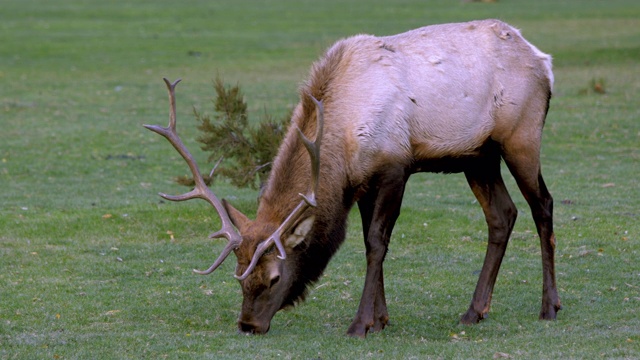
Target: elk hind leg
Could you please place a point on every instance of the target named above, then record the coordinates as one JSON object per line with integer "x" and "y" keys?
{"x": 524, "y": 165}
{"x": 500, "y": 213}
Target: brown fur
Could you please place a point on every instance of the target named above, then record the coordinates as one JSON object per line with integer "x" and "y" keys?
{"x": 447, "y": 98}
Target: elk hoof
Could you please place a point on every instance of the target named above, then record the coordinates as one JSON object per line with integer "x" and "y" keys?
{"x": 549, "y": 312}
{"x": 358, "y": 329}
{"x": 380, "y": 324}
{"x": 471, "y": 317}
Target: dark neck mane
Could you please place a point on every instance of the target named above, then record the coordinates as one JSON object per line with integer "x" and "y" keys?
{"x": 291, "y": 173}
{"x": 291, "y": 176}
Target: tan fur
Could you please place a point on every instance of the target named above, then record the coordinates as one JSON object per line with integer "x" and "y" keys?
{"x": 438, "y": 92}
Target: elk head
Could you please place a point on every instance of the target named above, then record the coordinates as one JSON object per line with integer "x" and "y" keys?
{"x": 265, "y": 271}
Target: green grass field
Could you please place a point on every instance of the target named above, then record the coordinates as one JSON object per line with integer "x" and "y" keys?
{"x": 94, "y": 265}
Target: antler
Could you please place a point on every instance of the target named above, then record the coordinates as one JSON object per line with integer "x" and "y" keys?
{"x": 308, "y": 200}
{"x": 200, "y": 191}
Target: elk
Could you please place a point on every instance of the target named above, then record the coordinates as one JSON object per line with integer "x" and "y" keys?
{"x": 444, "y": 98}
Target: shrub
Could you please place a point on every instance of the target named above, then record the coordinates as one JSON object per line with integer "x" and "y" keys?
{"x": 246, "y": 151}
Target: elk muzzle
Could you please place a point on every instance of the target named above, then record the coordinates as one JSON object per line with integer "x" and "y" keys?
{"x": 251, "y": 328}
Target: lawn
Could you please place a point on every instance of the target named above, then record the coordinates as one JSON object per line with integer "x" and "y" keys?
{"x": 94, "y": 265}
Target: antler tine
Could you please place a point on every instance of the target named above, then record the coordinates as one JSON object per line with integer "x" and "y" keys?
{"x": 308, "y": 200}
{"x": 201, "y": 190}
{"x": 275, "y": 239}
{"x": 260, "y": 250}
{"x": 171, "y": 86}
{"x": 314, "y": 153}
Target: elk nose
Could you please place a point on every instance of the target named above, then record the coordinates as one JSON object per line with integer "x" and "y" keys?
{"x": 251, "y": 328}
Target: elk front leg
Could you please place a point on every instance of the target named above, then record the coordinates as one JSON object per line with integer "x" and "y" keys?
{"x": 379, "y": 209}
{"x": 500, "y": 213}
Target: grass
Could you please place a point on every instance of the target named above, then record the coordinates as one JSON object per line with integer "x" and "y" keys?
{"x": 94, "y": 265}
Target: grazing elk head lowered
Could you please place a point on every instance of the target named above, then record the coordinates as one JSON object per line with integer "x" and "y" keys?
{"x": 270, "y": 288}
{"x": 444, "y": 98}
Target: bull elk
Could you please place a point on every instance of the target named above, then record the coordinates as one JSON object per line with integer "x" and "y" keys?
{"x": 445, "y": 98}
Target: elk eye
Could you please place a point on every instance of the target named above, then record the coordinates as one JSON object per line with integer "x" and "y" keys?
{"x": 270, "y": 250}
{"x": 274, "y": 280}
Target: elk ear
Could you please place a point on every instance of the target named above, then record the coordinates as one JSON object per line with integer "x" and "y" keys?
{"x": 300, "y": 232}
{"x": 239, "y": 220}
